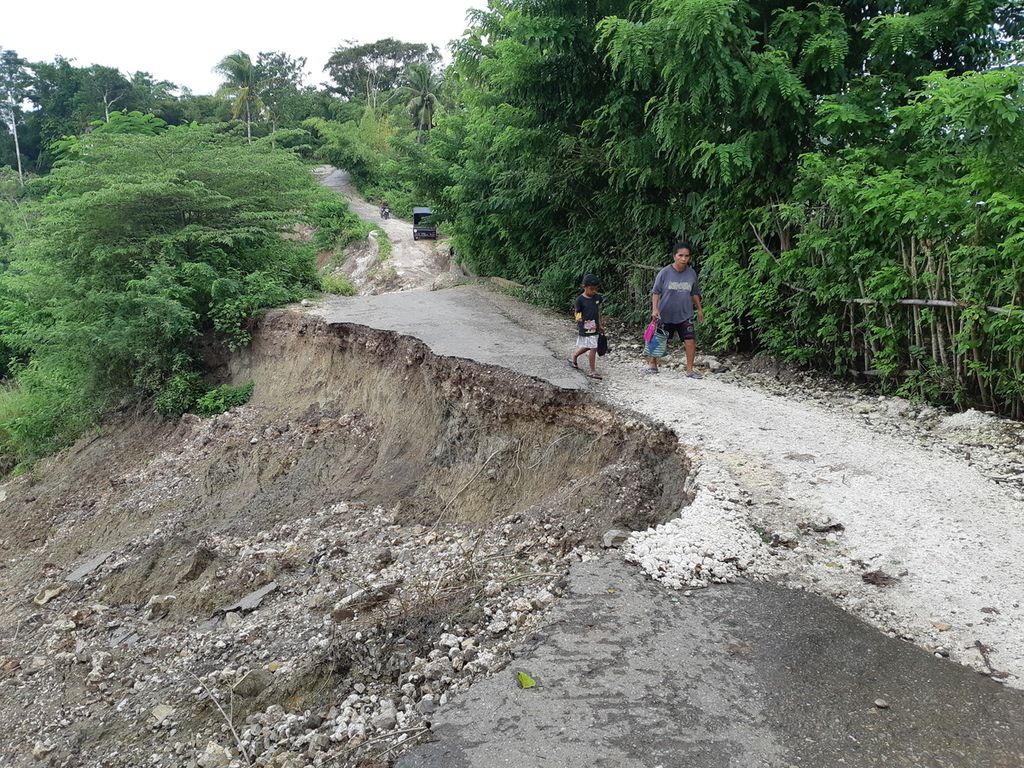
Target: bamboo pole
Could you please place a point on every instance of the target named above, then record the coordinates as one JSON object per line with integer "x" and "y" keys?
{"x": 936, "y": 303}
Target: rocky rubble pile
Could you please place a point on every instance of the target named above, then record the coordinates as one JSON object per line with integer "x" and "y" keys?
{"x": 711, "y": 542}
{"x": 354, "y": 630}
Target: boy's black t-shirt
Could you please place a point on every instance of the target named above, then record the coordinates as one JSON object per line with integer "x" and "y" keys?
{"x": 587, "y": 312}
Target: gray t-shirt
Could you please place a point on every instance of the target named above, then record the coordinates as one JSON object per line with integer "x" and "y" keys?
{"x": 677, "y": 290}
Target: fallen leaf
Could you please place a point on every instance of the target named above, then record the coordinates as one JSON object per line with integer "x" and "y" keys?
{"x": 525, "y": 681}
{"x": 941, "y": 626}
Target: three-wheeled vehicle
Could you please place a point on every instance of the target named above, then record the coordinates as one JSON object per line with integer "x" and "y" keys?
{"x": 423, "y": 224}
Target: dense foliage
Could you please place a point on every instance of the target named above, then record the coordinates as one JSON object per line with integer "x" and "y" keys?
{"x": 361, "y": 71}
{"x": 137, "y": 246}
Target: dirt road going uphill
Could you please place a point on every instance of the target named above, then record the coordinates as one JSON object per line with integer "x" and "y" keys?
{"x": 412, "y": 263}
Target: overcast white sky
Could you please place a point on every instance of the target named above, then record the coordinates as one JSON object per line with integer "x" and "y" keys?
{"x": 182, "y": 40}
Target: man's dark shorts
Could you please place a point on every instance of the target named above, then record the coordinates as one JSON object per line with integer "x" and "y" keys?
{"x": 683, "y": 330}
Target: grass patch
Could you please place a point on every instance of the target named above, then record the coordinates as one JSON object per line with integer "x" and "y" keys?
{"x": 46, "y": 410}
{"x": 383, "y": 245}
{"x": 337, "y": 284}
{"x": 336, "y": 224}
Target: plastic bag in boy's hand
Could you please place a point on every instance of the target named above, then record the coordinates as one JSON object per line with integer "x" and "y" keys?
{"x": 602, "y": 344}
{"x": 649, "y": 333}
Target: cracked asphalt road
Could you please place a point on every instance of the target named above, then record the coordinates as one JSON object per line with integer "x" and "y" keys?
{"x": 746, "y": 675}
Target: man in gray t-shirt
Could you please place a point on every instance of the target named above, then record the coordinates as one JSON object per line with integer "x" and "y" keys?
{"x": 676, "y": 293}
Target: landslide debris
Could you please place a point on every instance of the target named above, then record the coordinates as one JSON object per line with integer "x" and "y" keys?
{"x": 304, "y": 580}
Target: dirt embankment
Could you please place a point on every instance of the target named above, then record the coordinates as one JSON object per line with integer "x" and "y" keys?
{"x": 401, "y": 517}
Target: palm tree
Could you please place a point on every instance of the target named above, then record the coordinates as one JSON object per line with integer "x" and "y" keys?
{"x": 242, "y": 84}
{"x": 420, "y": 86}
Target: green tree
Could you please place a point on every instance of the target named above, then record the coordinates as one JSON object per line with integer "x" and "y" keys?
{"x": 928, "y": 214}
{"x": 141, "y": 244}
{"x": 107, "y": 86}
{"x": 156, "y": 97}
{"x": 203, "y": 108}
{"x": 367, "y": 70}
{"x": 529, "y": 195}
{"x": 63, "y": 105}
{"x": 280, "y": 79}
{"x": 241, "y": 84}
{"x": 136, "y": 123}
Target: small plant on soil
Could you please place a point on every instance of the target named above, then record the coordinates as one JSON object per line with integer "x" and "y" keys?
{"x": 223, "y": 398}
{"x": 182, "y": 390}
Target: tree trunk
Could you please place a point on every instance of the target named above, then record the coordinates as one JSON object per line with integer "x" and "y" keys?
{"x": 17, "y": 146}
{"x": 248, "y": 124}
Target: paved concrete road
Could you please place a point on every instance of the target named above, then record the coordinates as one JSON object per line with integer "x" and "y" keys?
{"x": 752, "y": 675}
{"x": 470, "y": 322}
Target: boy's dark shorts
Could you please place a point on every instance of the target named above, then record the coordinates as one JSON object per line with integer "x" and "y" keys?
{"x": 683, "y": 330}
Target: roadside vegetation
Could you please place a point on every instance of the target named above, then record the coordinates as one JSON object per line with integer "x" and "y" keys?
{"x": 849, "y": 177}
{"x": 849, "y": 174}
{"x": 339, "y": 285}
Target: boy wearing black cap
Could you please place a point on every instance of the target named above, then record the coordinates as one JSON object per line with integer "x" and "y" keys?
{"x": 588, "y": 323}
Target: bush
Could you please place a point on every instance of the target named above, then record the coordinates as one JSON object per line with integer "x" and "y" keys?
{"x": 180, "y": 395}
{"x": 383, "y": 245}
{"x": 336, "y": 224}
{"x": 223, "y": 398}
{"x": 47, "y": 409}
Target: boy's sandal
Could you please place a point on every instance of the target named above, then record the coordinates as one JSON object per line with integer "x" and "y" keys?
{"x": 572, "y": 364}
{"x": 694, "y": 375}
{"x": 595, "y": 375}
{"x": 650, "y": 371}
